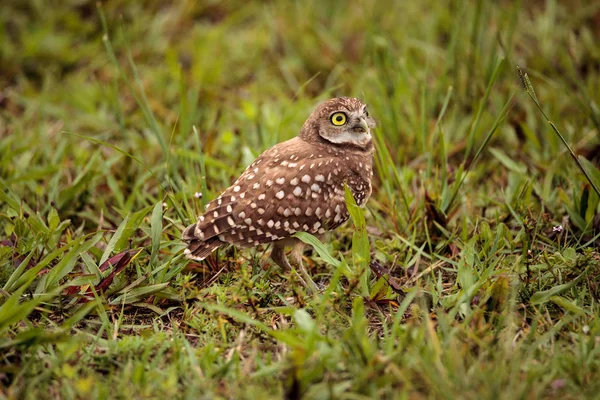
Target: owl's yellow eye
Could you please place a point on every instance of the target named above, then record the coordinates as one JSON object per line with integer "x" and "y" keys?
{"x": 338, "y": 118}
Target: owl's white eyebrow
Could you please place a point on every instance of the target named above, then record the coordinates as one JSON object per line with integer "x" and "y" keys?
{"x": 345, "y": 112}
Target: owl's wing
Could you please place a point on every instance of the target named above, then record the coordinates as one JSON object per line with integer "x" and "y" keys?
{"x": 289, "y": 188}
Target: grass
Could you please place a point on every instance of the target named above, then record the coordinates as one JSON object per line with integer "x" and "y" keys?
{"x": 473, "y": 272}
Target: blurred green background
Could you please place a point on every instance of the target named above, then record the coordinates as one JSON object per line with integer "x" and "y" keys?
{"x": 483, "y": 230}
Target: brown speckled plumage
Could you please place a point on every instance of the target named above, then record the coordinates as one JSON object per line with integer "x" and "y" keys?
{"x": 295, "y": 186}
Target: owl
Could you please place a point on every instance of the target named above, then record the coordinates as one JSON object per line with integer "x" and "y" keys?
{"x": 295, "y": 186}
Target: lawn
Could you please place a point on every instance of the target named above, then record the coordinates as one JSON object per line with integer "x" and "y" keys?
{"x": 473, "y": 272}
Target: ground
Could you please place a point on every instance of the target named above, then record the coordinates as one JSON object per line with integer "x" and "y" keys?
{"x": 473, "y": 271}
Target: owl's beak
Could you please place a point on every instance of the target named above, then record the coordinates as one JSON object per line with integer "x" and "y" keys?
{"x": 362, "y": 126}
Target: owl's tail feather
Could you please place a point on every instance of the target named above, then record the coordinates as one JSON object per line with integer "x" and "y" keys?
{"x": 199, "y": 249}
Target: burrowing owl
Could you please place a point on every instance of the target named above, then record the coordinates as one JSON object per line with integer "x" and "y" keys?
{"x": 295, "y": 186}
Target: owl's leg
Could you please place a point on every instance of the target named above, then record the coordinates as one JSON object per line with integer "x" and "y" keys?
{"x": 297, "y": 252}
{"x": 278, "y": 255}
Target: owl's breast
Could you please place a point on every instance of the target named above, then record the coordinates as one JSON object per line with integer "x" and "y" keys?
{"x": 361, "y": 190}
{"x": 359, "y": 180}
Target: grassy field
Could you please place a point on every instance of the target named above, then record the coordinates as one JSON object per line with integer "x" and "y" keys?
{"x": 473, "y": 272}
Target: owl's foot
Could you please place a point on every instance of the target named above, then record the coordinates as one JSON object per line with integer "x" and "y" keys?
{"x": 278, "y": 255}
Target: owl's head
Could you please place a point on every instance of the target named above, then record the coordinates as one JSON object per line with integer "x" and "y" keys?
{"x": 340, "y": 121}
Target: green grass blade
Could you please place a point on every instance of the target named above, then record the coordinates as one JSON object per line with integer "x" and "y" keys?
{"x": 450, "y": 200}
{"x": 156, "y": 231}
{"x": 319, "y": 247}
{"x": 361, "y": 249}
{"x": 113, "y": 241}
{"x": 471, "y": 136}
